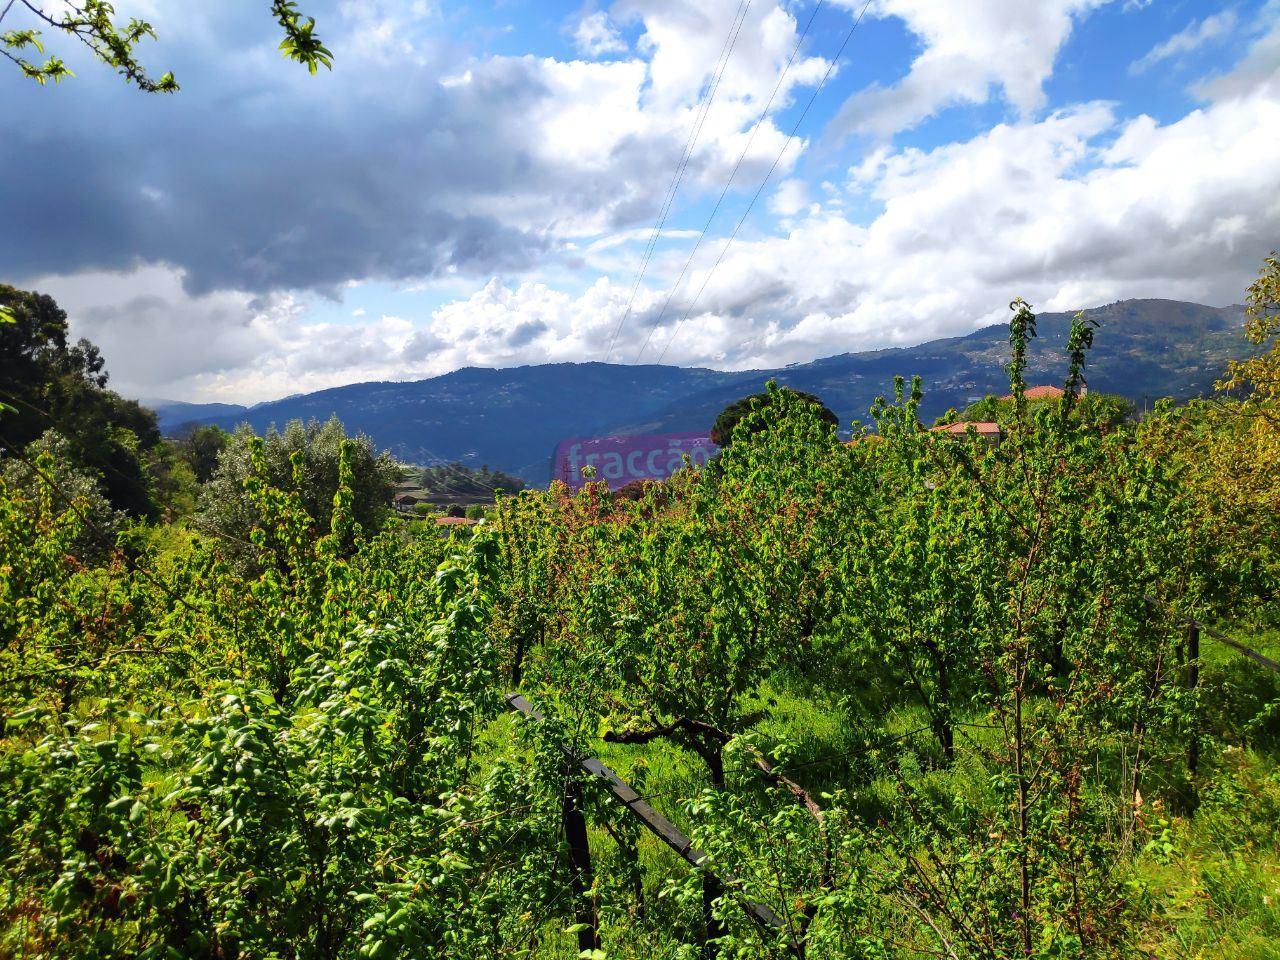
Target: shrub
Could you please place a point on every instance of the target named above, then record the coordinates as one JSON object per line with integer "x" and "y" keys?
{"x": 302, "y": 458}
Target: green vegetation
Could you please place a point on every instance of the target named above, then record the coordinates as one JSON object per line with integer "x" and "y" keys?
{"x": 47, "y": 478}
{"x": 919, "y": 697}
{"x": 456, "y": 485}
{"x": 200, "y": 448}
{"x": 306, "y": 458}
{"x": 722, "y": 430}
{"x": 450, "y": 482}
{"x": 50, "y": 384}
{"x": 1258, "y": 377}
{"x": 1102, "y": 410}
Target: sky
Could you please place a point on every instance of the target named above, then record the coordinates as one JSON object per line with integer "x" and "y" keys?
{"x": 481, "y": 184}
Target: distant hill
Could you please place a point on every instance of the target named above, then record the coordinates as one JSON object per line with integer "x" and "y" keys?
{"x": 1143, "y": 350}
{"x": 511, "y": 419}
{"x": 173, "y": 415}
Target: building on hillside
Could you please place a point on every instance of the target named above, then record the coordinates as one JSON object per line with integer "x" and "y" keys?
{"x": 1048, "y": 392}
{"x": 987, "y": 430}
{"x": 455, "y": 522}
{"x": 405, "y": 502}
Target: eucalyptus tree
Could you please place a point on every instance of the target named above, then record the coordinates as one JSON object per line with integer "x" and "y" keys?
{"x": 50, "y": 382}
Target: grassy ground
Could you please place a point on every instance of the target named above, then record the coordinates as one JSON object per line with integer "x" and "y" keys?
{"x": 1208, "y": 871}
{"x": 1214, "y": 876}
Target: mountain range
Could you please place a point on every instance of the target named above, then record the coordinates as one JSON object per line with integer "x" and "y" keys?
{"x": 511, "y": 419}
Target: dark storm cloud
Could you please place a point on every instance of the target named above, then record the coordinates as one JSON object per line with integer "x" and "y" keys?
{"x": 258, "y": 177}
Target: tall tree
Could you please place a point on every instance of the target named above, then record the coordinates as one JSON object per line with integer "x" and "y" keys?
{"x": 201, "y": 447}
{"x": 722, "y": 429}
{"x": 51, "y": 384}
{"x": 1261, "y": 374}
{"x": 304, "y": 459}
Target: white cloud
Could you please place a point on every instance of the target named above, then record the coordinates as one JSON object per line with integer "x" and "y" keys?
{"x": 596, "y": 36}
{"x": 1257, "y": 70}
{"x": 603, "y": 138}
{"x": 1076, "y": 209}
{"x": 481, "y": 164}
{"x": 161, "y": 341}
{"x": 489, "y": 154}
{"x": 1192, "y": 37}
{"x": 790, "y": 198}
{"x": 456, "y": 80}
{"x": 500, "y": 325}
{"x": 683, "y": 42}
{"x": 969, "y": 49}
{"x": 1069, "y": 209}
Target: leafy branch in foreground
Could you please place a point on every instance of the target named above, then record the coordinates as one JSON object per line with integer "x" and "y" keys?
{"x": 93, "y": 23}
{"x": 1261, "y": 373}
{"x": 300, "y": 43}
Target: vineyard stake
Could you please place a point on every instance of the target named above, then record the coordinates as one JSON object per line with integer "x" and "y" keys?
{"x": 580, "y": 875}
{"x": 1218, "y": 635}
{"x": 1193, "y": 683}
{"x": 661, "y": 827}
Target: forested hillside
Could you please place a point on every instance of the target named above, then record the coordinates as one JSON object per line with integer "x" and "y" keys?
{"x": 1146, "y": 349}
{"x": 910, "y": 695}
{"x": 513, "y": 418}
{"x": 176, "y": 417}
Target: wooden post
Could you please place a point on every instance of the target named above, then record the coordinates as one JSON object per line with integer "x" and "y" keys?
{"x": 580, "y": 876}
{"x": 649, "y": 818}
{"x": 1223, "y": 638}
{"x": 1193, "y": 684}
{"x": 713, "y": 929}
{"x": 517, "y": 667}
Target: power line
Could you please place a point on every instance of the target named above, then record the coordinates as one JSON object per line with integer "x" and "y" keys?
{"x": 733, "y": 173}
{"x": 778, "y": 159}
{"x": 726, "y": 51}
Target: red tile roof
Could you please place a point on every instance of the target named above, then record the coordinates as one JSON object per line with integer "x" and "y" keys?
{"x": 985, "y": 428}
{"x": 454, "y": 521}
{"x": 1039, "y": 393}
